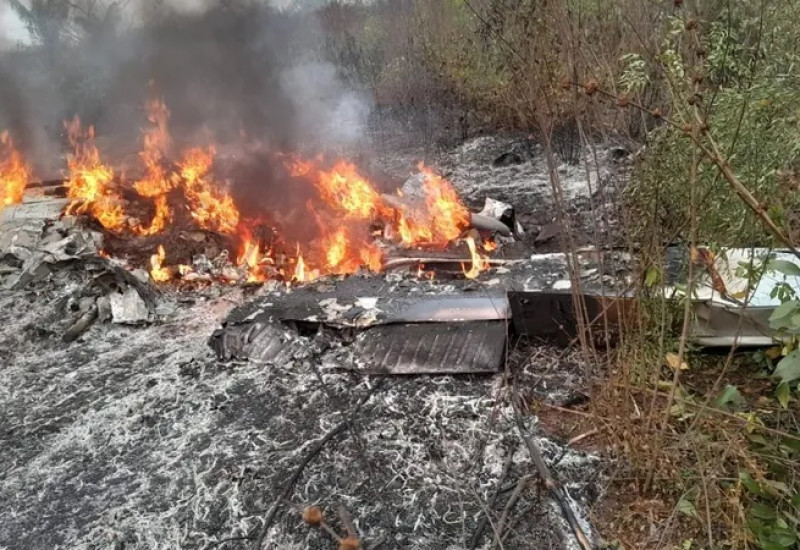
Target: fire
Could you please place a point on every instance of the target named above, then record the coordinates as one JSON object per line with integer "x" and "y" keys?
{"x": 212, "y": 208}
{"x": 250, "y": 256}
{"x": 479, "y": 263}
{"x": 156, "y": 145}
{"x": 162, "y": 217}
{"x": 412, "y": 232}
{"x": 345, "y": 189}
{"x": 14, "y": 172}
{"x": 301, "y": 272}
{"x": 448, "y": 216}
{"x": 441, "y": 218}
{"x": 90, "y": 182}
{"x": 344, "y": 254}
{"x": 336, "y": 248}
{"x": 158, "y": 272}
{"x": 155, "y": 183}
{"x": 489, "y": 245}
{"x": 348, "y": 210}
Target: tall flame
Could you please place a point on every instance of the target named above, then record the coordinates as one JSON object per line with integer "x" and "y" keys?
{"x": 14, "y": 172}
{"x": 90, "y": 182}
{"x": 157, "y": 142}
{"x": 155, "y": 184}
{"x": 448, "y": 215}
{"x": 211, "y": 207}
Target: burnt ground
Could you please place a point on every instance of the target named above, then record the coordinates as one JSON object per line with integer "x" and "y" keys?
{"x": 138, "y": 437}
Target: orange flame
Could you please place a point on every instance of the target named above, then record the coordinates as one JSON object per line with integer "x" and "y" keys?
{"x": 14, "y": 172}
{"x": 162, "y": 217}
{"x": 212, "y": 208}
{"x": 250, "y": 256}
{"x": 158, "y": 272}
{"x": 156, "y": 145}
{"x": 343, "y": 255}
{"x": 336, "y": 249}
{"x": 302, "y": 274}
{"x": 155, "y": 183}
{"x": 345, "y": 189}
{"x": 489, "y": 245}
{"x": 447, "y": 215}
{"x": 89, "y": 185}
{"x": 442, "y": 218}
{"x": 479, "y": 263}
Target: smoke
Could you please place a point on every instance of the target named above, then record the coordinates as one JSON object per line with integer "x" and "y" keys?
{"x": 227, "y": 71}
{"x": 323, "y": 104}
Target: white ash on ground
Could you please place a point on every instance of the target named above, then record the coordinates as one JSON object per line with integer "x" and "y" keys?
{"x": 138, "y": 438}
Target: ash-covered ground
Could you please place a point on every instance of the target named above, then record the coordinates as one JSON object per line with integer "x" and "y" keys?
{"x": 136, "y": 437}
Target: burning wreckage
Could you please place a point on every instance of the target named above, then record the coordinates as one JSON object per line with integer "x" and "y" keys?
{"x": 135, "y": 434}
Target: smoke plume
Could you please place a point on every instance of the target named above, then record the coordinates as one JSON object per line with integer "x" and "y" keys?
{"x": 230, "y": 72}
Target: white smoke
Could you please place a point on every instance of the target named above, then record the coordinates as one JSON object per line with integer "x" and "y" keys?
{"x": 12, "y": 28}
{"x": 326, "y": 108}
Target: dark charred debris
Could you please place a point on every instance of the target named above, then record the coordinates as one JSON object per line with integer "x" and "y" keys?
{"x": 212, "y": 416}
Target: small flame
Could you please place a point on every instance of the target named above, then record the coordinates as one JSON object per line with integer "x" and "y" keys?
{"x": 489, "y": 245}
{"x": 14, "y": 172}
{"x": 158, "y": 272}
{"x": 302, "y": 274}
{"x": 250, "y": 257}
{"x": 479, "y": 263}
{"x": 299, "y": 269}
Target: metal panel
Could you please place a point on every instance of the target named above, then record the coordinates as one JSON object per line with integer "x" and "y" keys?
{"x": 446, "y": 348}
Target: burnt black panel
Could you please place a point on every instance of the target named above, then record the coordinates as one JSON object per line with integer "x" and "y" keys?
{"x": 441, "y": 348}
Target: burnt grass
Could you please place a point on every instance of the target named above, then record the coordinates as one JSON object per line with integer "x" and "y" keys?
{"x": 137, "y": 437}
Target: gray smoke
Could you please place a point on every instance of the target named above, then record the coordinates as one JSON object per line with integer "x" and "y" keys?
{"x": 228, "y": 70}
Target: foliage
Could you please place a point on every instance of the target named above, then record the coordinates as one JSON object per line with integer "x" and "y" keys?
{"x": 751, "y": 104}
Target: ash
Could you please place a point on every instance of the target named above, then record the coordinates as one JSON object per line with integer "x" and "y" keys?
{"x": 134, "y": 437}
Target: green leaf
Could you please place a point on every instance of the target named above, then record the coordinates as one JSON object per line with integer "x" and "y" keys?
{"x": 788, "y": 369}
{"x": 785, "y": 267}
{"x": 784, "y": 393}
{"x": 729, "y": 395}
{"x": 652, "y": 276}
{"x": 784, "y": 540}
{"x": 762, "y": 511}
{"x": 783, "y": 311}
{"x": 687, "y": 508}
{"x": 749, "y": 483}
